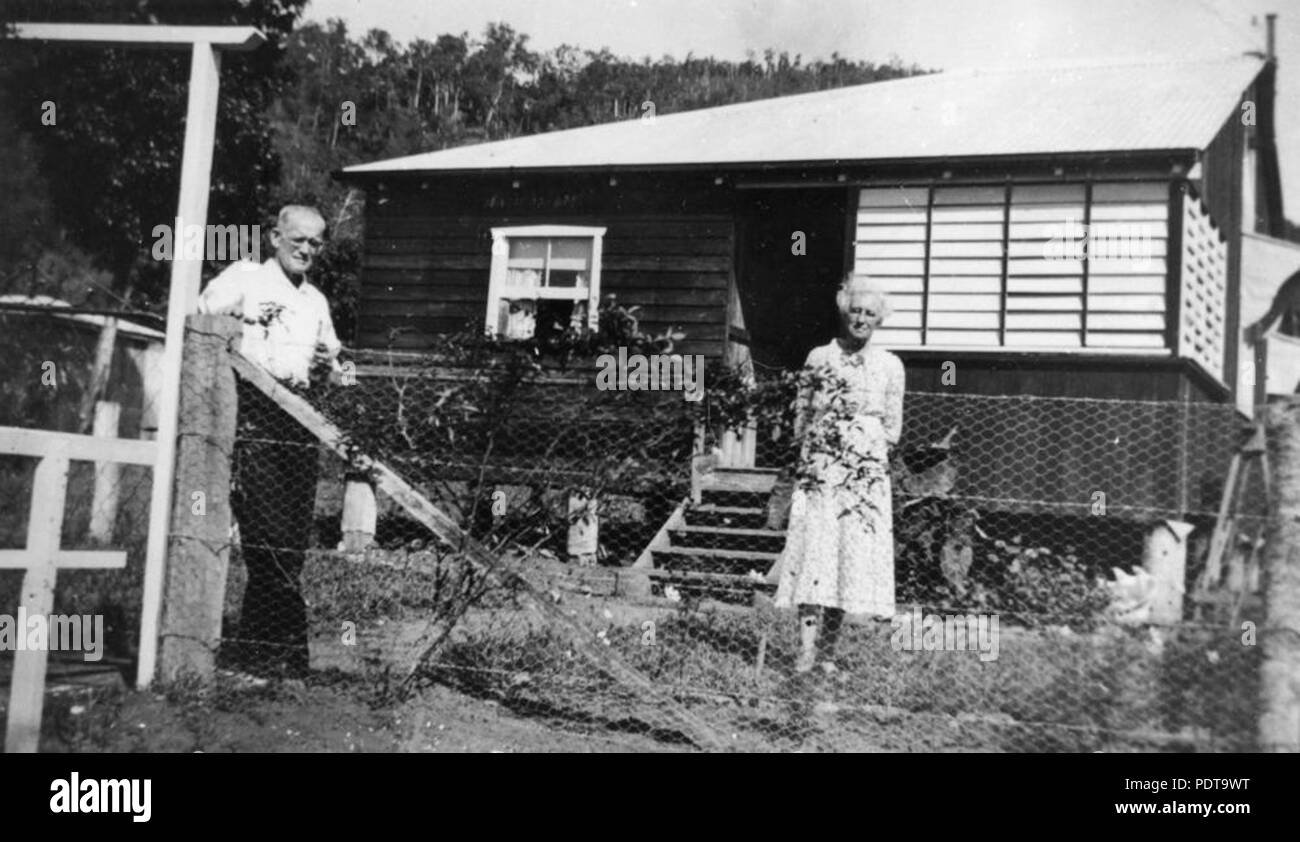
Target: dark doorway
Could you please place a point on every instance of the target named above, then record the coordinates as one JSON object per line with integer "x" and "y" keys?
{"x": 788, "y": 299}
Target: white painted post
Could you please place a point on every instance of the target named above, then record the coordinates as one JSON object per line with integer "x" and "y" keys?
{"x": 360, "y": 516}
{"x": 584, "y": 529}
{"x": 104, "y": 502}
{"x": 192, "y": 209}
{"x": 1165, "y": 558}
{"x": 27, "y": 689}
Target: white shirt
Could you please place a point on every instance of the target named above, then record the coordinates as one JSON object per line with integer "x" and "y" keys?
{"x": 282, "y": 323}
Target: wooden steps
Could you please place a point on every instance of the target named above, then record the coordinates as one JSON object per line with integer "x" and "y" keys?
{"x": 720, "y": 546}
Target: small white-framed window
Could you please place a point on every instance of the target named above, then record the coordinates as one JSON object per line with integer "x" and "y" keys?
{"x": 545, "y": 278}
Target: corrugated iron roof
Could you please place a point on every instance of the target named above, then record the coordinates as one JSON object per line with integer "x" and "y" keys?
{"x": 1038, "y": 109}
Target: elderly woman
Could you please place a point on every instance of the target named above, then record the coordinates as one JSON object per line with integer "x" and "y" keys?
{"x": 839, "y": 551}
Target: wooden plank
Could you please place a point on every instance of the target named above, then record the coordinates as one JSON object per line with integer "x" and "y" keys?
{"x": 194, "y": 601}
{"x": 613, "y": 280}
{"x": 371, "y": 295}
{"x": 1129, "y": 191}
{"x": 968, "y": 249}
{"x": 1057, "y": 303}
{"x": 106, "y": 495}
{"x": 430, "y": 305}
{"x": 433, "y": 307}
{"x": 1043, "y": 267}
{"x": 1127, "y": 321}
{"x": 892, "y": 216}
{"x": 1130, "y": 213}
{"x": 1029, "y": 194}
{"x": 892, "y": 197}
{"x": 482, "y": 262}
{"x": 877, "y": 267}
{"x": 425, "y": 226}
{"x": 949, "y": 196}
{"x": 20, "y": 441}
{"x": 1122, "y": 284}
{"x": 437, "y": 244}
{"x": 1113, "y": 339}
{"x": 1044, "y": 321}
{"x": 44, "y": 528}
{"x": 906, "y": 318}
{"x": 70, "y": 559}
{"x": 736, "y": 555}
{"x": 675, "y": 246}
{"x": 1044, "y": 339}
{"x": 965, "y": 285}
{"x": 944, "y": 231}
{"x": 730, "y": 531}
{"x": 661, "y": 540}
{"x": 963, "y": 337}
{"x": 1058, "y": 215}
{"x": 897, "y": 338}
{"x": 898, "y": 233}
{"x": 1053, "y": 286}
{"x": 192, "y": 208}
{"x": 962, "y": 303}
{"x": 235, "y": 38}
{"x": 668, "y": 263}
{"x": 890, "y": 250}
{"x": 962, "y": 320}
{"x": 980, "y": 215}
{"x": 1126, "y": 303}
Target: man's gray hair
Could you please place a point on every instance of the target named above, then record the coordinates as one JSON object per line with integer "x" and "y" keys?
{"x": 289, "y": 210}
{"x": 859, "y": 284}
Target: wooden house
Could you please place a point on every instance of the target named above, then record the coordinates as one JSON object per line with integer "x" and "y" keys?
{"x": 1057, "y": 231}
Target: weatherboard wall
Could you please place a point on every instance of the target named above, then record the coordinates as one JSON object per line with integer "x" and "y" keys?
{"x": 668, "y": 249}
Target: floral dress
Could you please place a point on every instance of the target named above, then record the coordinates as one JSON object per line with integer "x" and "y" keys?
{"x": 839, "y": 549}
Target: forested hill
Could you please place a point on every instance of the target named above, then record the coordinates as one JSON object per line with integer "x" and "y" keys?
{"x": 427, "y": 95}
{"x": 92, "y": 137}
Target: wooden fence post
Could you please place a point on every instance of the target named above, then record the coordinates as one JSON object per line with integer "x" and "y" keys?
{"x": 1164, "y": 555}
{"x": 1279, "y": 720}
{"x": 360, "y": 515}
{"x": 108, "y": 475}
{"x": 198, "y": 552}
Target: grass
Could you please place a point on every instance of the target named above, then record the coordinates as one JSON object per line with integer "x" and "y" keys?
{"x": 1047, "y": 691}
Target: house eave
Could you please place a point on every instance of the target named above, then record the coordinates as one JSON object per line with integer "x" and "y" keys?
{"x": 845, "y": 172}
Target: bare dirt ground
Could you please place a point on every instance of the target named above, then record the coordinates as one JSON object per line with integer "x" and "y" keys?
{"x": 316, "y": 717}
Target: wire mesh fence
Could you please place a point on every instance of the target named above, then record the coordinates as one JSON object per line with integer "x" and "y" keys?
{"x": 629, "y": 589}
{"x": 1058, "y": 581}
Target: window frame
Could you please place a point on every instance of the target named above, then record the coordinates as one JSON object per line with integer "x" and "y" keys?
{"x": 501, "y": 237}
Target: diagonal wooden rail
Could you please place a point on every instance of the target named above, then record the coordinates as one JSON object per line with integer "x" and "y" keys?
{"x": 426, "y": 513}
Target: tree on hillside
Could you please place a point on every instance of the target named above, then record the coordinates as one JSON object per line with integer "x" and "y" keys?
{"x": 111, "y": 158}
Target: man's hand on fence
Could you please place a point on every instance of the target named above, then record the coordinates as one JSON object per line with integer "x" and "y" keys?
{"x": 322, "y": 366}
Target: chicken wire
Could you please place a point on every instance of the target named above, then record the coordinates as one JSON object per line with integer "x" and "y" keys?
{"x": 1031, "y": 513}
{"x": 569, "y": 602}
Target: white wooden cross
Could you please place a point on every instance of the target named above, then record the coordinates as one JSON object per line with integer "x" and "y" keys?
{"x": 42, "y": 557}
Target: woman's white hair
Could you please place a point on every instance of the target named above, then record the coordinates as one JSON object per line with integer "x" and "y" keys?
{"x": 862, "y": 284}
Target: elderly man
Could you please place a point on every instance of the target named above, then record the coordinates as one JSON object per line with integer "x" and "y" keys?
{"x": 287, "y": 331}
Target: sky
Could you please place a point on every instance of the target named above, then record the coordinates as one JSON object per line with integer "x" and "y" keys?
{"x": 936, "y": 34}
